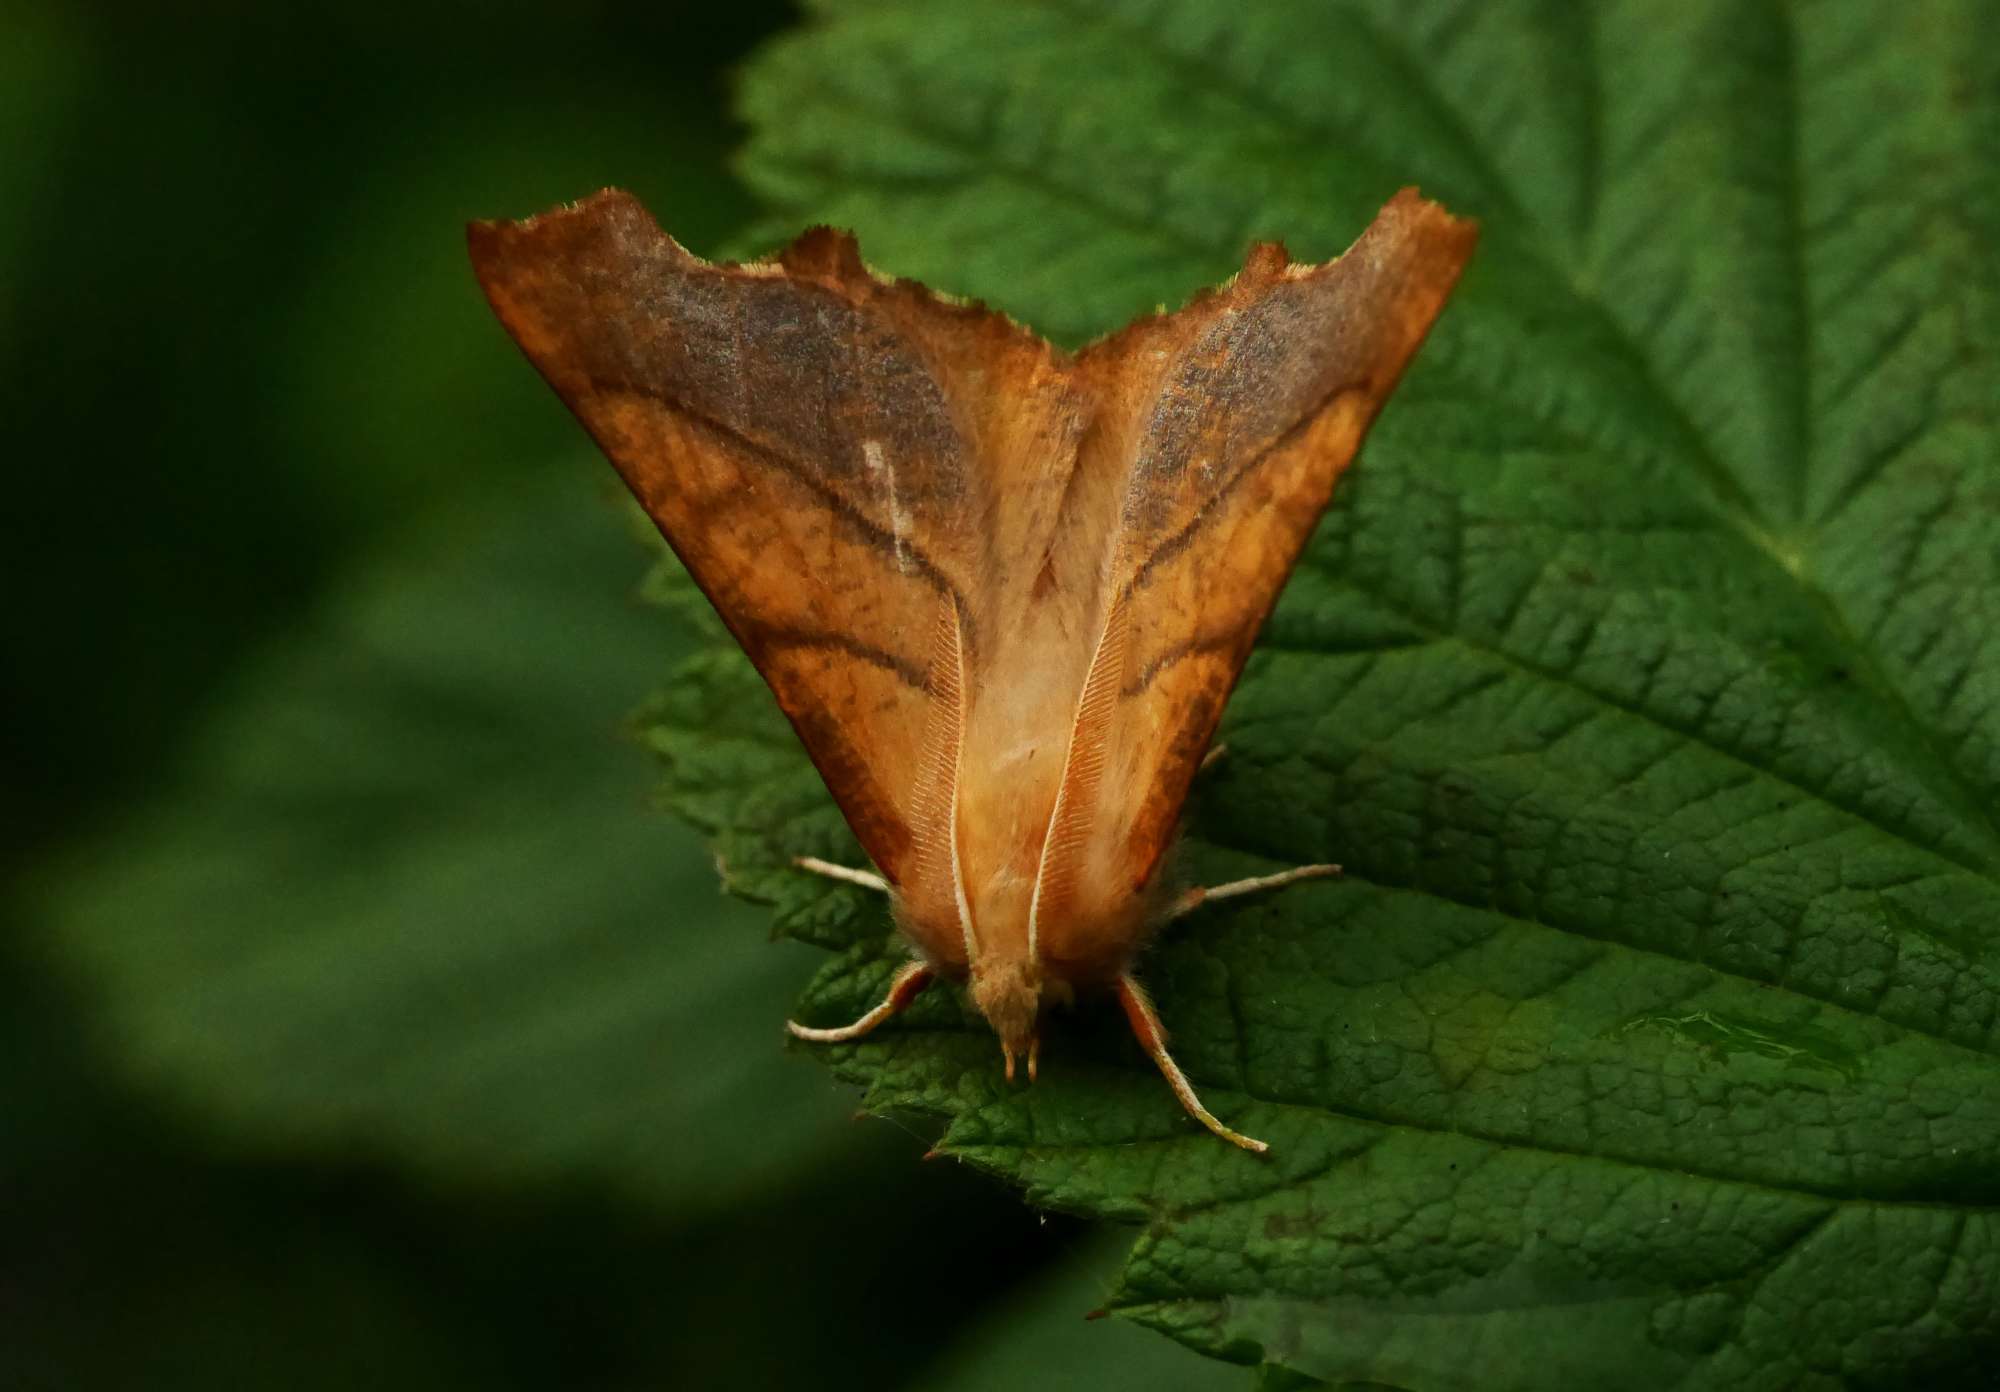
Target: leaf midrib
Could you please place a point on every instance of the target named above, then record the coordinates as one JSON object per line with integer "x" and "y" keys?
{"x": 1353, "y": 876}
{"x": 1568, "y": 681}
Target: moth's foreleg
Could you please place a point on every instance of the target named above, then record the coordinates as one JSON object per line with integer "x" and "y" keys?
{"x": 903, "y": 989}
{"x": 1193, "y": 899}
{"x": 867, "y": 879}
{"x": 1153, "y": 1039}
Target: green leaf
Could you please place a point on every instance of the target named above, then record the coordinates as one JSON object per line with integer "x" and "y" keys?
{"x": 1643, "y": 677}
{"x": 407, "y": 900}
{"x": 1040, "y": 1338}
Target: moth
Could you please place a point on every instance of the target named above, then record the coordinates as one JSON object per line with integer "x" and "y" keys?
{"x": 1002, "y": 591}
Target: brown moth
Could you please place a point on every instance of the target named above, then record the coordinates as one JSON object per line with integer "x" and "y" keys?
{"x": 1001, "y": 591}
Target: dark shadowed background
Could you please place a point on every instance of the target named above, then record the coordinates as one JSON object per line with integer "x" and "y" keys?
{"x": 323, "y": 633}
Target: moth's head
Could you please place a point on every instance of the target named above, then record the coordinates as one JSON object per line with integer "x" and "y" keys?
{"x": 1009, "y": 995}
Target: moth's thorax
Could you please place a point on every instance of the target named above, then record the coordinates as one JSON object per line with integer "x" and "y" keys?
{"x": 1025, "y": 859}
{"x": 1028, "y": 887}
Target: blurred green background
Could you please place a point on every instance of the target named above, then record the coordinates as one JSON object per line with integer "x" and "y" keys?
{"x": 354, "y": 979}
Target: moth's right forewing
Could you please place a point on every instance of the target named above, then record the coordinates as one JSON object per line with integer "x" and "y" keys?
{"x": 793, "y": 445}
{"x": 1234, "y": 418}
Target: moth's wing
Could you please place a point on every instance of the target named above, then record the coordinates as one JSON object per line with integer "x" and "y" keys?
{"x": 799, "y": 432}
{"x": 1231, "y": 419}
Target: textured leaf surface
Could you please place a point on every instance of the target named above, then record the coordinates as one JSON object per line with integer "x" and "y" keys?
{"x": 1643, "y": 677}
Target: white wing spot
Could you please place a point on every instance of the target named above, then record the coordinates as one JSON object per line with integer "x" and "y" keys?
{"x": 899, "y": 518}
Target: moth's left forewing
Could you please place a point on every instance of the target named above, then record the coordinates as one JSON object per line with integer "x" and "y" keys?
{"x": 1230, "y": 422}
{"x": 816, "y": 442}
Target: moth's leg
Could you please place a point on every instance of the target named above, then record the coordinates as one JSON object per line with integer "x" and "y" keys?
{"x": 903, "y": 989}
{"x": 1256, "y": 884}
{"x": 1215, "y": 755}
{"x": 1153, "y": 1039}
{"x": 867, "y": 879}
